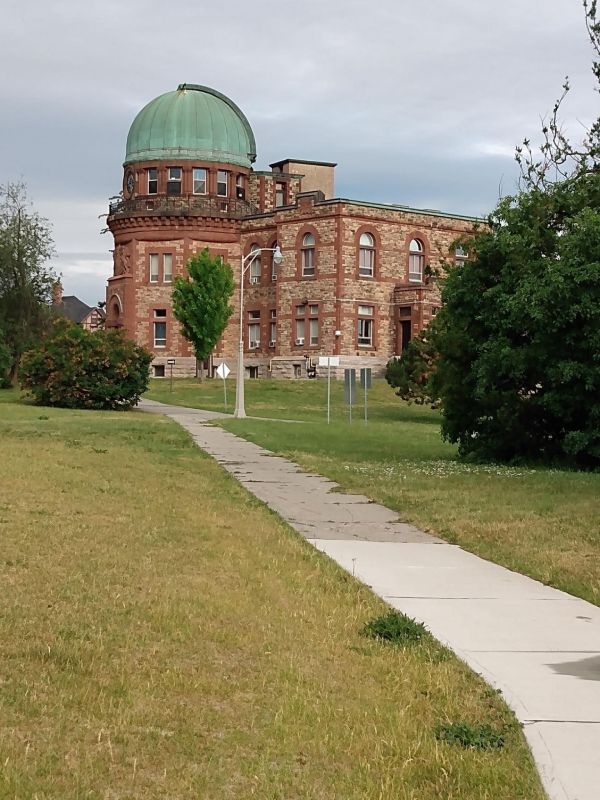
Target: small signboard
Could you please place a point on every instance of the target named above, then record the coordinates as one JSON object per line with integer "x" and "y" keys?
{"x": 365, "y": 378}
{"x": 171, "y": 361}
{"x": 329, "y": 361}
{"x": 223, "y": 370}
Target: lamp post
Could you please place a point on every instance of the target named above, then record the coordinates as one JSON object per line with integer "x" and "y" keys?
{"x": 240, "y": 410}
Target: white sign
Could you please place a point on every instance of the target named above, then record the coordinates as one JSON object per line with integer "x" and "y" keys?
{"x": 329, "y": 361}
{"x": 223, "y": 370}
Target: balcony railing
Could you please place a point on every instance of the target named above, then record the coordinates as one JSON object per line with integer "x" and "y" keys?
{"x": 181, "y": 205}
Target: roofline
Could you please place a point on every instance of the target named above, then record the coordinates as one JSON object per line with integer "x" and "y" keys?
{"x": 385, "y": 207}
{"x": 303, "y": 161}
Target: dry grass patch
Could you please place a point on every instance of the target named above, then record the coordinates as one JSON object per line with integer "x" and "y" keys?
{"x": 164, "y": 636}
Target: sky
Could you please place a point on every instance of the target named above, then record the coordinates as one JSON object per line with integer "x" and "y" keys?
{"x": 418, "y": 103}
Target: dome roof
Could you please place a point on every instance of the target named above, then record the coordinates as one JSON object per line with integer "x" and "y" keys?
{"x": 192, "y": 123}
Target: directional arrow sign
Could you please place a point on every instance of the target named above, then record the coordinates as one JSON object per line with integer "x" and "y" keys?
{"x": 223, "y": 370}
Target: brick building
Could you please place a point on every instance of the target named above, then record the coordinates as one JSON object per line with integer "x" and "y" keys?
{"x": 354, "y": 277}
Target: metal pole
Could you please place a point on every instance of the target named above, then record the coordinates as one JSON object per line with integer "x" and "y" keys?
{"x": 328, "y": 388}
{"x": 365, "y": 398}
{"x": 225, "y": 393}
{"x": 171, "y": 377}
{"x": 240, "y": 410}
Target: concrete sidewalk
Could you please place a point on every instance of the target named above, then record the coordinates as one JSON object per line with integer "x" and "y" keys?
{"x": 539, "y": 646}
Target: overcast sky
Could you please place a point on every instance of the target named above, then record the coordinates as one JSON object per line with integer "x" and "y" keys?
{"x": 418, "y": 103}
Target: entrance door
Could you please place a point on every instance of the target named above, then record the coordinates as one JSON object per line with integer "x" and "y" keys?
{"x": 405, "y": 334}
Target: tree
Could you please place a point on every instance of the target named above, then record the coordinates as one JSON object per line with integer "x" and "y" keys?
{"x": 201, "y": 301}
{"x": 75, "y": 368}
{"x": 411, "y": 374}
{"x": 5, "y": 361}
{"x": 518, "y": 337}
{"x": 25, "y": 280}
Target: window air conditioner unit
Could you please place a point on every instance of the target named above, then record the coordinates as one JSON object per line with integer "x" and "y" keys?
{"x": 300, "y": 341}
{"x": 272, "y": 343}
{"x": 253, "y": 345}
{"x": 254, "y": 280}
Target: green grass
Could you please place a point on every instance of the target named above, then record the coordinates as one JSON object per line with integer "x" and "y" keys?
{"x": 540, "y": 522}
{"x": 165, "y": 636}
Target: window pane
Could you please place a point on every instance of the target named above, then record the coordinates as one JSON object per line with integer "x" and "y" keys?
{"x": 154, "y": 267}
{"x": 222, "y": 181}
{"x": 199, "y": 181}
{"x": 308, "y": 261}
{"x": 167, "y": 268}
{"x": 152, "y": 181}
{"x": 314, "y": 331}
{"x": 313, "y": 310}
{"x": 365, "y": 311}
{"x": 299, "y": 329}
{"x": 415, "y": 267}
{"x": 160, "y": 334}
{"x": 366, "y": 262}
{"x": 253, "y": 335}
{"x": 416, "y": 246}
{"x": 366, "y": 240}
{"x": 308, "y": 240}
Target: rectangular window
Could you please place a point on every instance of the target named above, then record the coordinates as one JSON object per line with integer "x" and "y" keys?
{"x": 240, "y": 191}
{"x": 160, "y": 312}
{"x": 314, "y": 331}
{"x": 174, "y": 180}
{"x": 366, "y": 262}
{"x": 152, "y": 181}
{"x": 365, "y": 326}
{"x": 160, "y": 334}
{"x": 255, "y": 270}
{"x": 153, "y": 267}
{"x": 280, "y": 198}
{"x": 199, "y": 178}
{"x": 272, "y": 327}
{"x": 253, "y": 335}
{"x": 313, "y": 310}
{"x": 167, "y": 268}
{"x": 405, "y": 311}
{"x": 222, "y": 183}
{"x": 254, "y": 315}
{"x": 300, "y": 310}
{"x": 300, "y": 331}
{"x": 308, "y": 261}
{"x": 415, "y": 267}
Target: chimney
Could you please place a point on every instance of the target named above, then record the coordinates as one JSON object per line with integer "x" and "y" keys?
{"x": 57, "y": 293}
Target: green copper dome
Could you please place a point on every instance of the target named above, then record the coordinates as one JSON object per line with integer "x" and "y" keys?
{"x": 193, "y": 123}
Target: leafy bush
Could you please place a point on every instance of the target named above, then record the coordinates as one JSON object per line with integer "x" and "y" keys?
{"x": 395, "y": 627}
{"x": 472, "y": 737}
{"x": 518, "y": 336}
{"x": 411, "y": 374}
{"x": 5, "y": 362}
{"x": 75, "y": 368}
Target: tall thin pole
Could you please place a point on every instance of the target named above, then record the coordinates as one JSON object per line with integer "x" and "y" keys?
{"x": 328, "y": 389}
{"x": 240, "y": 409}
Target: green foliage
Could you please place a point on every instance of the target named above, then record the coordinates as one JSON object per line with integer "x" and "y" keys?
{"x": 395, "y": 627}
{"x": 472, "y": 737}
{"x": 411, "y": 374}
{"x": 5, "y": 362}
{"x": 75, "y": 368}
{"x": 25, "y": 280}
{"x": 201, "y": 301}
{"x": 518, "y": 336}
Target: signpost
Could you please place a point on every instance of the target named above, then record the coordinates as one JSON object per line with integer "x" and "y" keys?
{"x": 329, "y": 362}
{"x": 223, "y": 371}
{"x": 170, "y": 362}
{"x": 349, "y": 389}
{"x": 366, "y": 383}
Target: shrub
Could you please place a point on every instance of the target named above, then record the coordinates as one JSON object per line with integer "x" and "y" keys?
{"x": 411, "y": 374}
{"x": 75, "y": 368}
{"x": 395, "y": 627}
{"x": 5, "y": 363}
{"x": 472, "y": 737}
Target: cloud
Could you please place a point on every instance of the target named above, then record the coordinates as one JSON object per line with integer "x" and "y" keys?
{"x": 417, "y": 103}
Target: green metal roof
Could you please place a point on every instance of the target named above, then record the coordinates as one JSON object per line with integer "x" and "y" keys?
{"x": 192, "y": 123}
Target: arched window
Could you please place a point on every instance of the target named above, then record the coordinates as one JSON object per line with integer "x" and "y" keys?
{"x": 415, "y": 260}
{"x": 366, "y": 256}
{"x": 255, "y": 268}
{"x": 308, "y": 254}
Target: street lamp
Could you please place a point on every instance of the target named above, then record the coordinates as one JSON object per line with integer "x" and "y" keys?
{"x": 240, "y": 410}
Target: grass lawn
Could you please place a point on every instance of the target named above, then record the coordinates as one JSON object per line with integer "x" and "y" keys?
{"x": 165, "y": 636}
{"x": 543, "y": 523}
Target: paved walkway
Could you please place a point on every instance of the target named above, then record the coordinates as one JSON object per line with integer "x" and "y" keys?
{"x": 539, "y": 646}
